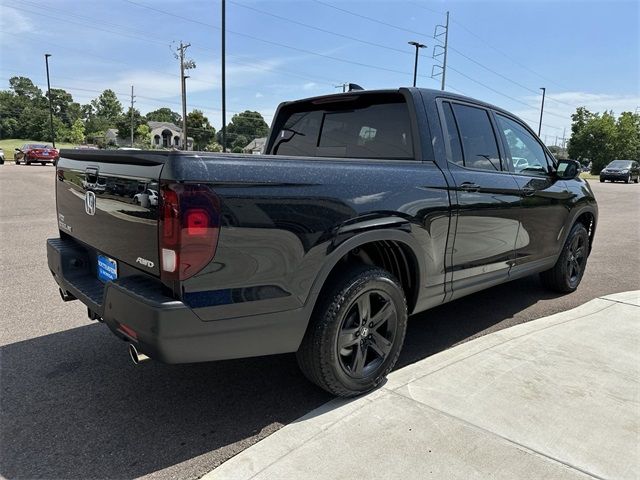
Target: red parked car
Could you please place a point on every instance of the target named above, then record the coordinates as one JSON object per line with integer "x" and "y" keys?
{"x": 36, "y": 152}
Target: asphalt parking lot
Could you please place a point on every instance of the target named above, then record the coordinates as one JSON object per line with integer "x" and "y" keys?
{"x": 73, "y": 406}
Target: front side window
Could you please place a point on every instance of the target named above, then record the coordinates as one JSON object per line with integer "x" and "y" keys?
{"x": 479, "y": 145}
{"x": 525, "y": 152}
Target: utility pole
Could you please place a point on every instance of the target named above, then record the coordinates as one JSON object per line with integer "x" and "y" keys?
{"x": 224, "y": 91}
{"x": 132, "y": 102}
{"x": 415, "y": 65}
{"x": 544, "y": 90}
{"x": 442, "y": 53}
{"x": 564, "y": 137}
{"x": 184, "y": 65}
{"x": 343, "y": 86}
{"x": 53, "y": 134}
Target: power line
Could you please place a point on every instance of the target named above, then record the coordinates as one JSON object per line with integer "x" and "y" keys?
{"x": 319, "y": 29}
{"x": 371, "y": 19}
{"x": 271, "y": 42}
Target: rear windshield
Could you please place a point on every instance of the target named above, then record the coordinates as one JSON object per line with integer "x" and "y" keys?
{"x": 37, "y": 145}
{"x": 380, "y": 129}
{"x": 620, "y": 164}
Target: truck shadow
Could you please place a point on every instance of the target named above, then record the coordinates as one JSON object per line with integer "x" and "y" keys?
{"x": 73, "y": 405}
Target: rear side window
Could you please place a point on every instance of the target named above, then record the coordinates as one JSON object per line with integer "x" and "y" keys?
{"x": 378, "y": 131}
{"x": 453, "y": 135}
{"x": 479, "y": 145}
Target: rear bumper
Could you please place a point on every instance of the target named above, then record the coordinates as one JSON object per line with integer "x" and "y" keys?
{"x": 166, "y": 329}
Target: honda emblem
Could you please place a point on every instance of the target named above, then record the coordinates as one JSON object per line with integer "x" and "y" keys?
{"x": 90, "y": 203}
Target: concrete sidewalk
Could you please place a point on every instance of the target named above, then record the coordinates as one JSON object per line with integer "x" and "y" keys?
{"x": 558, "y": 397}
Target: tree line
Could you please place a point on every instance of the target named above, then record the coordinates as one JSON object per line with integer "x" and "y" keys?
{"x": 600, "y": 138}
{"x": 24, "y": 114}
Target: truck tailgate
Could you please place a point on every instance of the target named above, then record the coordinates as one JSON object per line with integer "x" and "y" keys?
{"x": 109, "y": 201}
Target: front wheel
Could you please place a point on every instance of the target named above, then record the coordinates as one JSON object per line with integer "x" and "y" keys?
{"x": 628, "y": 179}
{"x": 356, "y": 332}
{"x": 566, "y": 274}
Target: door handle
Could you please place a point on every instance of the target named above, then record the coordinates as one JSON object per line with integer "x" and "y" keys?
{"x": 528, "y": 191}
{"x": 469, "y": 187}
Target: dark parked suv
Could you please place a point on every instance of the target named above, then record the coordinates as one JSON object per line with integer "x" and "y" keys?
{"x": 621, "y": 170}
{"x": 367, "y": 207}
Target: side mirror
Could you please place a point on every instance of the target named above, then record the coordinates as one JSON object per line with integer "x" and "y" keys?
{"x": 568, "y": 169}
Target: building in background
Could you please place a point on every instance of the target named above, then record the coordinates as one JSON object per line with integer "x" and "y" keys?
{"x": 255, "y": 146}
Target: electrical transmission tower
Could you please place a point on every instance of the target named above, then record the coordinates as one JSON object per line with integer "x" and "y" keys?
{"x": 442, "y": 52}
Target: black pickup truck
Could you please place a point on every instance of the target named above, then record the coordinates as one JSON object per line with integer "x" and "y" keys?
{"x": 367, "y": 207}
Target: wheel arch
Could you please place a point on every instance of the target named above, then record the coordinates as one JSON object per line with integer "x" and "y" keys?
{"x": 588, "y": 217}
{"x": 392, "y": 249}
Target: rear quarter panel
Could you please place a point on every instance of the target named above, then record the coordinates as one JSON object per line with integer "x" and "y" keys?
{"x": 280, "y": 216}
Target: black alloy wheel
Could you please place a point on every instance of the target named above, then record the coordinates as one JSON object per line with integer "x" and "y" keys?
{"x": 356, "y": 331}
{"x": 367, "y": 333}
{"x": 576, "y": 260}
{"x": 567, "y": 273}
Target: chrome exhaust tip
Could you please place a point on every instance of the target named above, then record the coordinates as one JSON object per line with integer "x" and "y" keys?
{"x": 136, "y": 356}
{"x": 66, "y": 296}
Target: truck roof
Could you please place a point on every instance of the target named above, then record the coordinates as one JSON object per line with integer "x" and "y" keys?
{"x": 427, "y": 94}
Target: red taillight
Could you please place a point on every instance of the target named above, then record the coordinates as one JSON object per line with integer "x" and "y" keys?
{"x": 189, "y": 226}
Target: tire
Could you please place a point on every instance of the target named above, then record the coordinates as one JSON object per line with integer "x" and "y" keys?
{"x": 602, "y": 180}
{"x": 17, "y": 161}
{"x": 637, "y": 179}
{"x": 566, "y": 274}
{"x": 367, "y": 352}
{"x": 628, "y": 179}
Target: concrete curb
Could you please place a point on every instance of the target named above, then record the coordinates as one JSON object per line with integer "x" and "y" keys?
{"x": 544, "y": 399}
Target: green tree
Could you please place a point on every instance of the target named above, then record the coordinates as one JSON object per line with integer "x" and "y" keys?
{"x": 164, "y": 114}
{"x": 107, "y": 106}
{"x": 76, "y": 133}
{"x": 200, "y": 129}
{"x": 24, "y": 87}
{"x": 123, "y": 123}
{"x": 600, "y": 138}
{"x": 577, "y": 146}
{"x": 243, "y": 128}
{"x": 628, "y": 136}
{"x": 143, "y": 135}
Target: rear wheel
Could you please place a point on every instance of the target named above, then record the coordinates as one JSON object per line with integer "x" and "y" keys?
{"x": 566, "y": 274}
{"x": 356, "y": 332}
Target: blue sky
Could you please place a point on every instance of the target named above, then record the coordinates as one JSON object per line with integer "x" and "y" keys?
{"x": 584, "y": 53}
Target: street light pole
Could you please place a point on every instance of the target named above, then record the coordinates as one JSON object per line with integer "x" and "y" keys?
{"x": 224, "y": 91}
{"x": 541, "y": 110}
{"x": 415, "y": 65}
{"x": 53, "y": 135}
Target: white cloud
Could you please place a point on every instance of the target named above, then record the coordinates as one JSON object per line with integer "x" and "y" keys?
{"x": 309, "y": 86}
{"x": 259, "y": 95}
{"x": 15, "y": 22}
